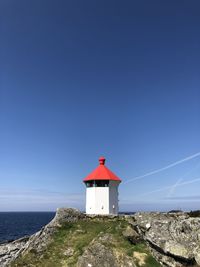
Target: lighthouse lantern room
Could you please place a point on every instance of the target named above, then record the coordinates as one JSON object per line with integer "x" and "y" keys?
{"x": 102, "y": 190}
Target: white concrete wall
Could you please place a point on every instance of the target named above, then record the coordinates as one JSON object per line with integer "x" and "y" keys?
{"x": 102, "y": 200}
{"x": 90, "y": 200}
{"x": 113, "y": 197}
{"x": 97, "y": 200}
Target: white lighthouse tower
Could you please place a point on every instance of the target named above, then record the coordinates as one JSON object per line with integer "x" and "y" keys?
{"x": 102, "y": 190}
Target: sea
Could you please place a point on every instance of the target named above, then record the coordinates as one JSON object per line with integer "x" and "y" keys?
{"x": 14, "y": 225}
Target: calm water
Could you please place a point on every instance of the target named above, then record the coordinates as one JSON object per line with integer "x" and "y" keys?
{"x": 14, "y": 225}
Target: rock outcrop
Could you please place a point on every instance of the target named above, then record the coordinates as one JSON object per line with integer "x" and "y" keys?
{"x": 10, "y": 250}
{"x": 97, "y": 241}
{"x": 99, "y": 254}
{"x": 174, "y": 238}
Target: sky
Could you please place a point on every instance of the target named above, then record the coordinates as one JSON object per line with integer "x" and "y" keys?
{"x": 84, "y": 79}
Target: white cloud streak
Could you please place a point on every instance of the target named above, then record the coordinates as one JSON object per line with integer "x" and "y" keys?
{"x": 173, "y": 187}
{"x": 169, "y": 187}
{"x": 40, "y": 196}
{"x": 163, "y": 168}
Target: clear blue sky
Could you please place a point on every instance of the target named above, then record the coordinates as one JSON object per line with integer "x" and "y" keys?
{"x": 81, "y": 79}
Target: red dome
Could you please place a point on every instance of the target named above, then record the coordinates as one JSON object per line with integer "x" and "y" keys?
{"x": 102, "y": 173}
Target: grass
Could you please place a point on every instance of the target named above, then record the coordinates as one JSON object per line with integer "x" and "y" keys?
{"x": 77, "y": 236}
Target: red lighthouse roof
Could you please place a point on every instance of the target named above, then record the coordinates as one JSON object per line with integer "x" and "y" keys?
{"x": 102, "y": 173}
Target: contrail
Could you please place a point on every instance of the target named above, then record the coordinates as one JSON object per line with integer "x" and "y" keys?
{"x": 173, "y": 188}
{"x": 190, "y": 182}
{"x": 168, "y": 187}
{"x": 163, "y": 168}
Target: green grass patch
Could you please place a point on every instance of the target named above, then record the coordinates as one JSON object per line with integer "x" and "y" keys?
{"x": 77, "y": 236}
{"x": 151, "y": 262}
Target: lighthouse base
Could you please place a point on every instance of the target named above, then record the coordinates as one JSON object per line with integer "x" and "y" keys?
{"x": 102, "y": 200}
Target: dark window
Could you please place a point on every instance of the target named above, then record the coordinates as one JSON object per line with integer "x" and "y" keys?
{"x": 101, "y": 183}
{"x": 89, "y": 184}
{"x": 97, "y": 183}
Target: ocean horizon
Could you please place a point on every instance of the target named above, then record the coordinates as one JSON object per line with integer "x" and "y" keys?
{"x": 17, "y": 224}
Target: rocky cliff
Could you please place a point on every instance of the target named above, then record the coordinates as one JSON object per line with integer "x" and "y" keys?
{"x": 75, "y": 239}
{"x": 174, "y": 238}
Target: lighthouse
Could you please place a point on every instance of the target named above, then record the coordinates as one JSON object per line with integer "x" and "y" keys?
{"x": 102, "y": 190}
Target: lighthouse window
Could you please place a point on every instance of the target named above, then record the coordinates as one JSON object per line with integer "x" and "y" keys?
{"x": 89, "y": 184}
{"x": 102, "y": 183}
{"x": 97, "y": 183}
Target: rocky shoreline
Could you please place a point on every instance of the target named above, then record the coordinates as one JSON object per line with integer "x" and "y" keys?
{"x": 173, "y": 239}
